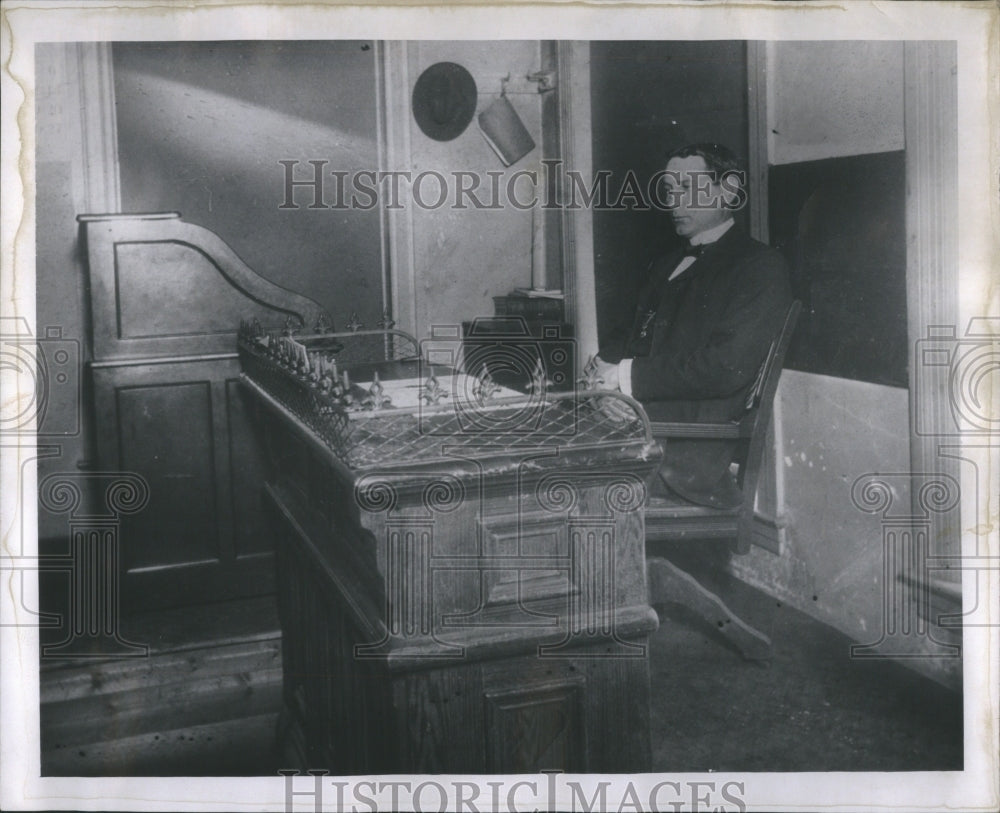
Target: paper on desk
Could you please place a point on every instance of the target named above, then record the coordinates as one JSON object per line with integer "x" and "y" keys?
{"x": 406, "y": 393}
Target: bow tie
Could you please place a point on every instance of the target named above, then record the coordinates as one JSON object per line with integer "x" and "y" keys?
{"x": 694, "y": 251}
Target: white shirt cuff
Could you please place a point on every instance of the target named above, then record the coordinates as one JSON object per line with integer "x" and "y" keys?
{"x": 625, "y": 376}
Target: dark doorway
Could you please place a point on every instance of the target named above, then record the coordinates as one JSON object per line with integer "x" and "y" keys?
{"x": 648, "y": 98}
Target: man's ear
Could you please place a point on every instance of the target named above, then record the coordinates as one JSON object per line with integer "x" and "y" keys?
{"x": 734, "y": 193}
{"x": 730, "y": 195}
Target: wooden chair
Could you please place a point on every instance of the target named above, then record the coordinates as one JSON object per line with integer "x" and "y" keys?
{"x": 677, "y": 520}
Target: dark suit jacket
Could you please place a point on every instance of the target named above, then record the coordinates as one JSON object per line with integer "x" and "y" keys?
{"x": 712, "y": 329}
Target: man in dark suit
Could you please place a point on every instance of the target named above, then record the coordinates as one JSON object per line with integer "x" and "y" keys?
{"x": 704, "y": 321}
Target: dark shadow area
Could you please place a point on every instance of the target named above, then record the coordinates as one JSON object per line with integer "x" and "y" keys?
{"x": 841, "y": 223}
{"x": 648, "y": 98}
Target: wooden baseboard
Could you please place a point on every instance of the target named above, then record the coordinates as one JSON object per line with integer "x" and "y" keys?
{"x": 769, "y": 533}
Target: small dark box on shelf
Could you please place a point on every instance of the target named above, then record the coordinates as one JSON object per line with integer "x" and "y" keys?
{"x": 532, "y": 308}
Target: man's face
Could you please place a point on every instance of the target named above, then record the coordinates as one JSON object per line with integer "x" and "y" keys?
{"x": 696, "y": 201}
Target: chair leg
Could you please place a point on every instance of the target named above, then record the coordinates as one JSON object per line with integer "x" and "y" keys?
{"x": 668, "y": 583}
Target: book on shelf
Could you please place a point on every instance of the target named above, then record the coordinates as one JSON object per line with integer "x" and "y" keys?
{"x": 535, "y": 293}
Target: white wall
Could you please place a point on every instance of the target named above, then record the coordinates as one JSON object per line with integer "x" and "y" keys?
{"x": 829, "y": 432}
{"x": 830, "y": 99}
{"x": 455, "y": 261}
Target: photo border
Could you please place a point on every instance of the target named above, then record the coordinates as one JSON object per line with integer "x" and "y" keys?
{"x": 972, "y": 25}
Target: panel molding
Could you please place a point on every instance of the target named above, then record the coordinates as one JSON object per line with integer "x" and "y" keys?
{"x": 532, "y": 576}
{"x": 140, "y": 403}
{"x": 513, "y": 717}
{"x": 105, "y": 233}
{"x": 233, "y": 570}
{"x": 99, "y": 130}
{"x": 138, "y": 263}
{"x": 575, "y": 129}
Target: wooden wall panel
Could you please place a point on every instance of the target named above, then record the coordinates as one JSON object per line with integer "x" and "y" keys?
{"x": 162, "y": 287}
{"x": 189, "y": 295}
{"x": 246, "y": 467}
{"x": 536, "y": 728}
{"x": 166, "y": 431}
{"x": 166, "y": 301}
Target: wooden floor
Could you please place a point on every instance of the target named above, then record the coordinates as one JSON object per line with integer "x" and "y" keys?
{"x": 205, "y": 700}
{"x": 812, "y": 707}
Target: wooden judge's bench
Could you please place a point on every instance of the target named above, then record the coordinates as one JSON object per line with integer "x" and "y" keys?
{"x": 461, "y": 574}
{"x": 459, "y": 568}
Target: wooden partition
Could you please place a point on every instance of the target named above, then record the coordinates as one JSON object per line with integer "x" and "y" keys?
{"x": 166, "y": 298}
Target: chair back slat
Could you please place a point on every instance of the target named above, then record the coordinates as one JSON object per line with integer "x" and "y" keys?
{"x": 753, "y": 397}
{"x": 750, "y": 467}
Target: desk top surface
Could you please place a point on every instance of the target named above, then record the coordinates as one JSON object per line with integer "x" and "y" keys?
{"x": 417, "y": 414}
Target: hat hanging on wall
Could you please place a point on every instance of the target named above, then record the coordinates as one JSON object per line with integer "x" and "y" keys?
{"x": 444, "y": 100}
{"x": 504, "y": 131}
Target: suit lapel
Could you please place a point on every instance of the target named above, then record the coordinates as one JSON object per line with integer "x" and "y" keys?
{"x": 690, "y": 289}
{"x": 664, "y": 296}
{"x": 719, "y": 252}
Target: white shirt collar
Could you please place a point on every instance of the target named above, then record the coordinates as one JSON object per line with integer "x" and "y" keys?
{"x": 712, "y": 234}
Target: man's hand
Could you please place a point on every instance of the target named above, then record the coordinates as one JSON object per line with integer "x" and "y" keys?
{"x": 614, "y": 409}
{"x": 618, "y": 411}
{"x": 608, "y": 372}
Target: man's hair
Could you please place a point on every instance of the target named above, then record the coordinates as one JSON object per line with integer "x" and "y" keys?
{"x": 719, "y": 160}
